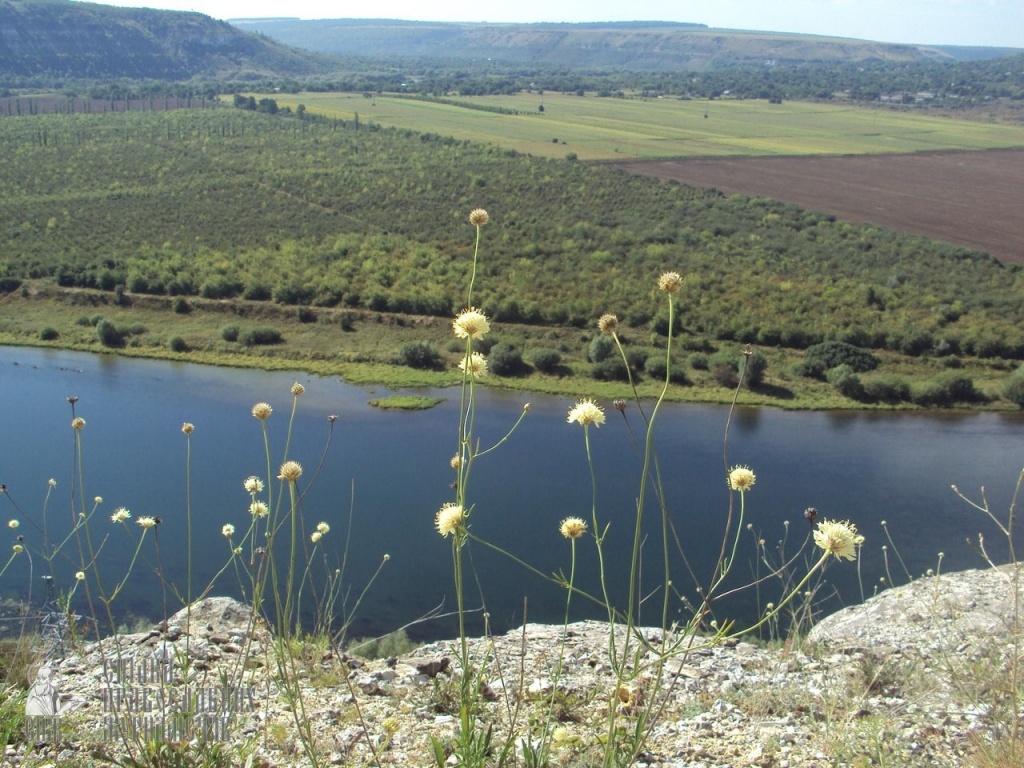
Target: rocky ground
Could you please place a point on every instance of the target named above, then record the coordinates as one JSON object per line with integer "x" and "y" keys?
{"x": 920, "y": 675}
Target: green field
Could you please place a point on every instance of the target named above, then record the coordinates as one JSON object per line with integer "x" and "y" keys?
{"x": 626, "y": 129}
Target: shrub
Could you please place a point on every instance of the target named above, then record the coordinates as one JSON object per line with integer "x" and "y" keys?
{"x": 610, "y": 369}
{"x": 181, "y": 306}
{"x": 811, "y": 369}
{"x": 546, "y": 360}
{"x": 725, "y": 374}
{"x": 420, "y": 354}
{"x": 306, "y": 315}
{"x": 831, "y": 354}
{"x": 756, "y": 365}
{"x": 261, "y": 336}
{"x": 506, "y": 360}
{"x": 108, "y": 334}
{"x": 229, "y": 333}
{"x": 655, "y": 368}
{"x": 49, "y": 333}
{"x": 346, "y": 321}
{"x": 947, "y": 390}
{"x": 9, "y": 284}
{"x": 178, "y": 344}
{"x": 890, "y": 390}
{"x": 601, "y": 347}
{"x": 257, "y": 292}
{"x": 845, "y": 381}
{"x": 1013, "y": 390}
{"x": 699, "y": 361}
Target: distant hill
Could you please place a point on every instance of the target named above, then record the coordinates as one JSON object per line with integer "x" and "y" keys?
{"x": 84, "y": 40}
{"x": 637, "y": 45}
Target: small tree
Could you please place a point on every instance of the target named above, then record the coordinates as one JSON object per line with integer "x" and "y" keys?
{"x": 420, "y": 354}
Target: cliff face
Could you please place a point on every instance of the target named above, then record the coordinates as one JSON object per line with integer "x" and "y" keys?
{"x": 84, "y": 40}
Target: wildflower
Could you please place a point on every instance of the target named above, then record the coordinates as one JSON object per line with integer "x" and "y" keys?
{"x": 78, "y": 423}
{"x": 526, "y": 407}
{"x": 449, "y": 518}
{"x": 13, "y": 523}
{"x": 670, "y": 282}
{"x": 741, "y": 478}
{"x": 386, "y": 557}
{"x": 228, "y": 530}
{"x": 98, "y": 500}
{"x": 52, "y": 483}
{"x": 607, "y": 324}
{"x": 838, "y": 538}
{"x": 471, "y": 323}
{"x": 290, "y": 470}
{"x": 572, "y": 527}
{"x": 811, "y": 514}
{"x": 188, "y": 428}
{"x": 585, "y": 413}
{"x": 80, "y": 575}
{"x": 475, "y": 365}
{"x": 262, "y": 411}
{"x": 259, "y": 509}
{"x": 120, "y": 515}
{"x": 146, "y": 521}
{"x": 456, "y": 461}
{"x": 478, "y": 217}
{"x": 297, "y": 389}
{"x": 17, "y": 549}
{"x": 316, "y": 536}
{"x": 619, "y": 404}
{"x": 253, "y": 484}
{"x": 323, "y": 528}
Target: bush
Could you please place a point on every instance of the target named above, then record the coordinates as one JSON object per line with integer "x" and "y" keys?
{"x": 229, "y": 333}
{"x": 261, "y": 336}
{"x": 506, "y": 360}
{"x": 699, "y": 362}
{"x": 49, "y": 333}
{"x": 948, "y": 390}
{"x": 181, "y": 306}
{"x": 1013, "y": 390}
{"x": 108, "y": 334}
{"x": 845, "y": 382}
{"x": 178, "y": 344}
{"x": 547, "y": 360}
{"x": 655, "y": 368}
{"x": 756, "y": 365}
{"x": 610, "y": 369}
{"x": 601, "y": 347}
{"x": 887, "y": 390}
{"x": 811, "y": 369}
{"x": 420, "y": 354}
{"x": 831, "y": 354}
{"x": 725, "y": 374}
{"x": 257, "y": 292}
{"x": 306, "y": 315}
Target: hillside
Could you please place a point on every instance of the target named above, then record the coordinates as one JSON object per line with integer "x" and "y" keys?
{"x": 636, "y": 45}
{"x": 84, "y": 40}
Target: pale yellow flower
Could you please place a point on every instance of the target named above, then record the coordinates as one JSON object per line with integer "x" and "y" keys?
{"x": 17, "y": 549}
{"x": 456, "y": 461}
{"x": 572, "y": 527}
{"x": 316, "y": 536}
{"x": 228, "y": 530}
{"x": 52, "y": 483}
{"x": 78, "y": 423}
{"x": 475, "y": 365}
{"x": 188, "y": 428}
{"x": 262, "y": 411}
{"x": 146, "y": 521}
{"x": 839, "y": 538}
{"x": 670, "y": 282}
{"x": 471, "y": 323}
{"x": 120, "y": 515}
{"x": 290, "y": 470}
{"x": 478, "y": 217}
{"x": 449, "y": 519}
{"x": 13, "y": 523}
{"x": 297, "y": 389}
{"x": 259, "y": 509}
{"x": 80, "y": 575}
{"x": 98, "y": 500}
{"x": 323, "y": 528}
{"x": 253, "y": 484}
{"x": 586, "y": 412}
{"x": 607, "y": 324}
{"x": 741, "y": 479}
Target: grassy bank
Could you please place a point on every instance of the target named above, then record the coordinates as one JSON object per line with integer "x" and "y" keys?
{"x": 365, "y": 347}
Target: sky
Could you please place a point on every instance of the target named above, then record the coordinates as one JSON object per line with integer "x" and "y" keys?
{"x": 932, "y": 22}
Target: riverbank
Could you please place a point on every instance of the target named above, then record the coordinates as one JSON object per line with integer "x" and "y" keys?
{"x": 365, "y": 347}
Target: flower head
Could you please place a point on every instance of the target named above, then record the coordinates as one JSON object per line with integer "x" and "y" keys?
{"x": 17, "y": 549}
{"x": 253, "y": 484}
{"x": 262, "y": 411}
{"x": 586, "y": 412}
{"x": 259, "y": 509}
{"x": 315, "y": 536}
{"x": 456, "y": 461}
{"x": 78, "y": 423}
{"x": 297, "y": 389}
{"x": 475, "y": 365}
{"x": 839, "y": 538}
{"x": 323, "y": 528}
{"x": 13, "y": 523}
{"x": 741, "y": 479}
{"x": 120, "y": 515}
{"x": 607, "y": 324}
{"x": 80, "y": 575}
{"x": 670, "y": 282}
{"x": 572, "y": 527}
{"x": 52, "y": 483}
{"x": 478, "y": 217}
{"x": 228, "y": 530}
{"x": 188, "y": 428}
{"x": 449, "y": 519}
{"x": 98, "y": 500}
{"x": 146, "y": 521}
{"x": 290, "y": 470}
{"x": 471, "y": 323}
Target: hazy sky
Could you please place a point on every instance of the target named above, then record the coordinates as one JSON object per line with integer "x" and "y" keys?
{"x": 948, "y": 22}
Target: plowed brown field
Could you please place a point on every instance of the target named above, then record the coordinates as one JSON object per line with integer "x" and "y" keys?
{"x": 967, "y": 198}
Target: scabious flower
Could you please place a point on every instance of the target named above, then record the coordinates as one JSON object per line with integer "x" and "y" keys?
{"x": 456, "y": 461}
{"x": 586, "y": 412}
{"x": 13, "y": 523}
{"x": 290, "y": 470}
{"x": 839, "y": 538}
{"x": 607, "y": 324}
{"x": 98, "y": 500}
{"x": 670, "y": 282}
{"x": 741, "y": 479}
{"x": 323, "y": 528}
{"x": 315, "y": 536}
{"x": 253, "y": 484}
{"x": 228, "y": 530}
{"x": 146, "y": 521}
{"x": 449, "y": 518}
{"x": 478, "y": 217}
{"x": 259, "y": 509}
{"x": 120, "y": 515}
{"x": 262, "y": 411}
{"x": 297, "y": 389}
{"x": 17, "y": 549}
{"x": 475, "y": 365}
{"x": 80, "y": 575}
{"x": 78, "y": 423}
{"x": 52, "y": 483}
{"x": 188, "y": 428}
{"x": 471, "y": 323}
{"x": 572, "y": 527}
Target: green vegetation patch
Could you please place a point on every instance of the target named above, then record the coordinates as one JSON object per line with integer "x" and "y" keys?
{"x": 406, "y": 402}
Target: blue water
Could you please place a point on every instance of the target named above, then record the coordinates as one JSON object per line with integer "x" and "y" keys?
{"x": 390, "y": 470}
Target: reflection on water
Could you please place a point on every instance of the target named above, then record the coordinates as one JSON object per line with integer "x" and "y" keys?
{"x": 384, "y": 474}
